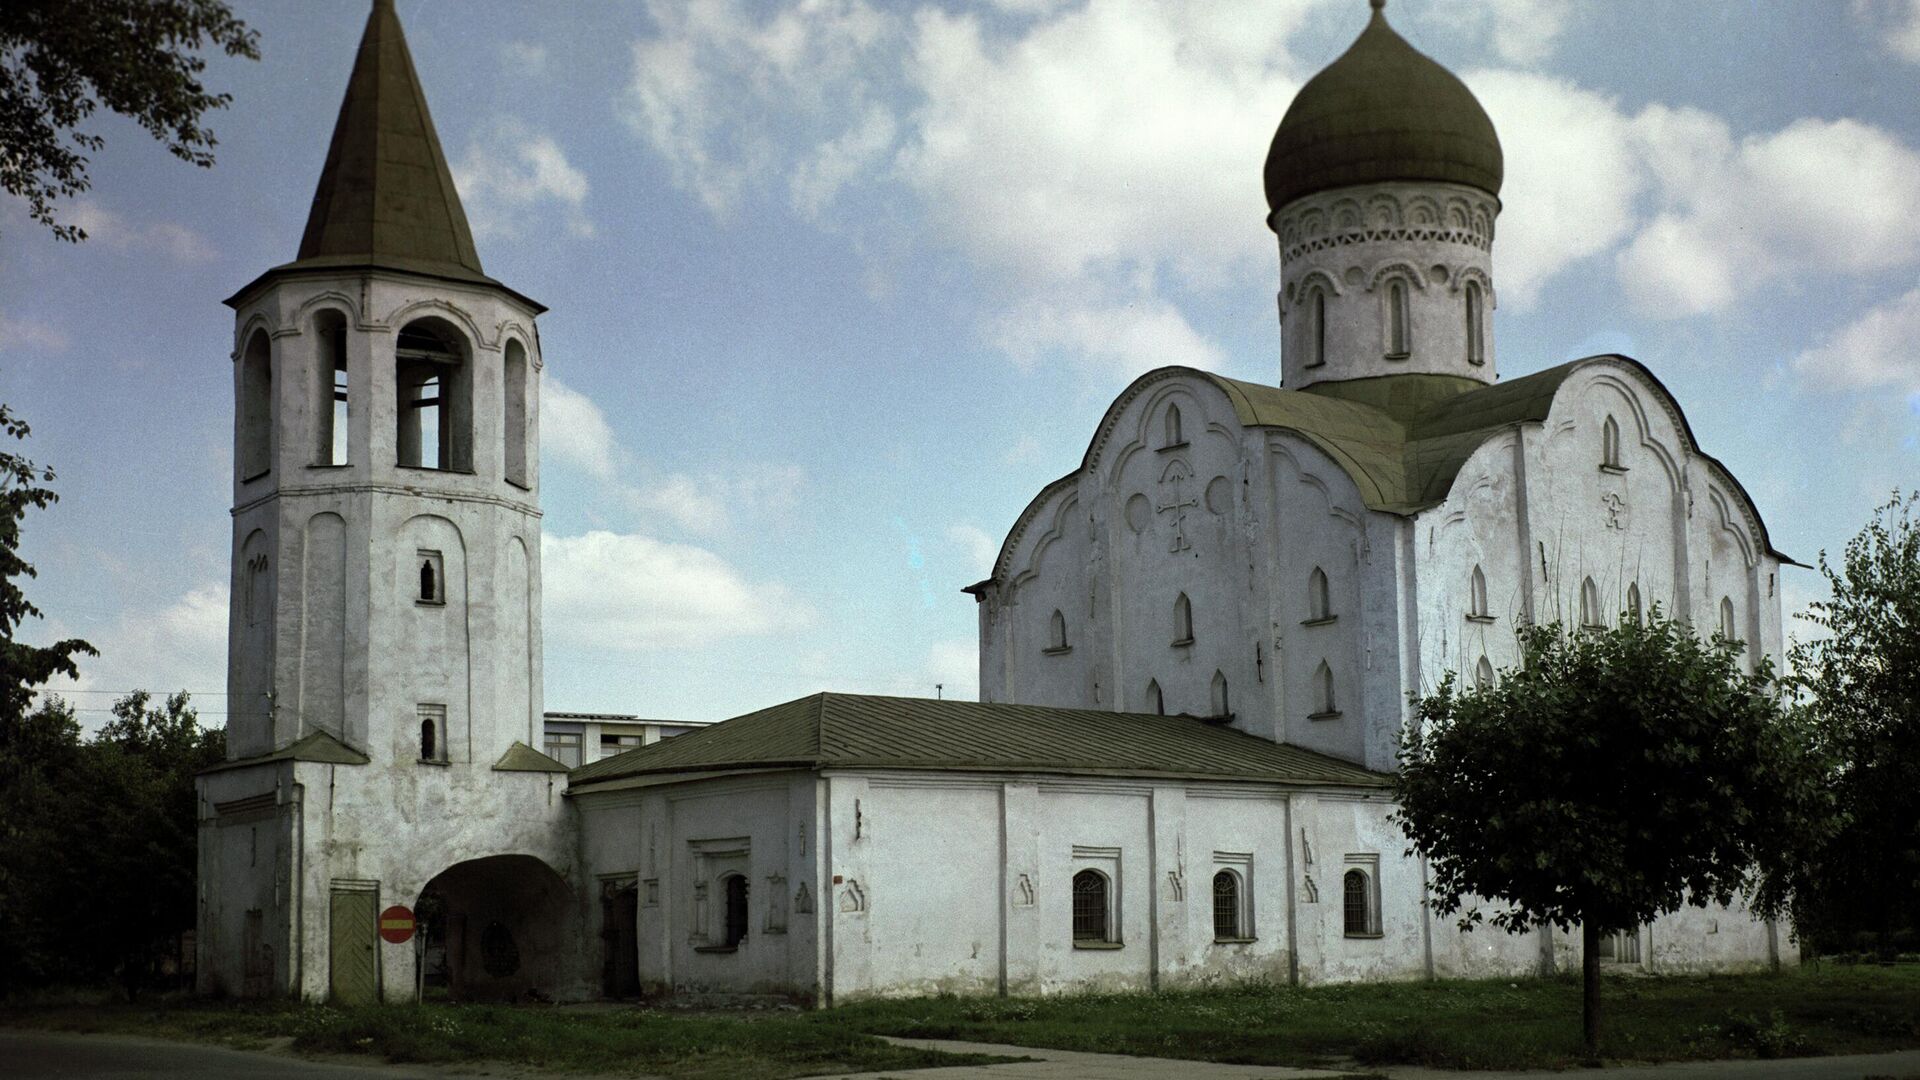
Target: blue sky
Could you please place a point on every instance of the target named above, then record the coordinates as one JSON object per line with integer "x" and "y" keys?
{"x": 837, "y": 286}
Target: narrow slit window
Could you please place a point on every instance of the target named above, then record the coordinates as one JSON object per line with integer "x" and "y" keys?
{"x": 1325, "y": 705}
{"x": 1319, "y": 597}
{"x": 1590, "y": 604}
{"x": 1477, "y": 594}
{"x": 1483, "y": 674}
{"x": 1476, "y": 325}
{"x": 430, "y": 570}
{"x": 1174, "y": 437}
{"x": 255, "y": 452}
{"x": 1057, "y": 632}
{"x": 1221, "y": 706}
{"x": 433, "y": 732}
{"x": 516, "y": 414}
{"x": 1633, "y": 603}
{"x": 1398, "y": 345}
{"x": 1317, "y": 332}
{"x": 1610, "y": 444}
{"x": 1090, "y": 908}
{"x": 1727, "y": 626}
{"x": 1155, "y": 700}
{"x": 735, "y": 889}
{"x": 1183, "y": 621}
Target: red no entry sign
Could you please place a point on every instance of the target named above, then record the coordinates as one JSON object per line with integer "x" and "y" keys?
{"x": 396, "y": 924}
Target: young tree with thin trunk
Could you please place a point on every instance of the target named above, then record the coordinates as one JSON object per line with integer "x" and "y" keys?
{"x": 1614, "y": 776}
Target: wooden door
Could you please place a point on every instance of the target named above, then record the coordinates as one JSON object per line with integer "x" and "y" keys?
{"x": 351, "y": 945}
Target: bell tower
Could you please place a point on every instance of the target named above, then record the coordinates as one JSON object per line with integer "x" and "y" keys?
{"x": 1384, "y": 183}
{"x": 384, "y": 645}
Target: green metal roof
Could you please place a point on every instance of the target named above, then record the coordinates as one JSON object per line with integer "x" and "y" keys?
{"x": 860, "y": 731}
{"x": 318, "y": 746}
{"x": 386, "y": 199}
{"x": 1383, "y": 111}
{"x": 523, "y": 758}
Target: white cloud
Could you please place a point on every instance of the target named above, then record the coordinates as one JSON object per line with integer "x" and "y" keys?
{"x": 180, "y": 645}
{"x": 1526, "y": 31}
{"x": 525, "y": 57}
{"x": 1122, "y": 340}
{"x": 108, "y": 229}
{"x": 954, "y": 666}
{"x": 31, "y": 334}
{"x": 574, "y": 430}
{"x": 980, "y": 548}
{"x": 633, "y": 593}
{"x": 1875, "y": 350}
{"x": 836, "y": 163}
{"x": 1898, "y": 23}
{"x": 511, "y": 169}
{"x": 707, "y": 503}
{"x": 1025, "y": 448}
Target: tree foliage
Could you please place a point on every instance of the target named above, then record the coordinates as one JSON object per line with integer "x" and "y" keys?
{"x": 1863, "y": 683}
{"x": 22, "y": 488}
{"x": 1613, "y": 777}
{"x": 97, "y": 865}
{"x": 61, "y": 60}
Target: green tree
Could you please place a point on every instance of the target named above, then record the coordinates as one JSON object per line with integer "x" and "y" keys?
{"x": 61, "y": 60}
{"x": 22, "y": 488}
{"x": 1614, "y": 776}
{"x": 1863, "y": 682}
{"x": 40, "y": 756}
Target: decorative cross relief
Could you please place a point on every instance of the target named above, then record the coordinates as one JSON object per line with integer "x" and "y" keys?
{"x": 1172, "y": 483}
{"x": 1023, "y": 892}
{"x": 1177, "y": 885}
{"x": 1616, "y": 510}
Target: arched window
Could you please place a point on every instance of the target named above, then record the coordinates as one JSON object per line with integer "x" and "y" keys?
{"x": 1324, "y": 704}
{"x": 516, "y": 414}
{"x": 433, "y": 389}
{"x": 429, "y": 588}
{"x": 1221, "y": 707}
{"x": 1590, "y": 604}
{"x": 331, "y": 404}
{"x": 1317, "y": 329}
{"x": 433, "y": 578}
{"x": 1477, "y": 594}
{"x": 1399, "y": 344}
{"x": 1154, "y": 698}
{"x": 1319, "y": 600}
{"x": 1183, "y": 621}
{"x": 734, "y": 888}
{"x": 1727, "y": 627}
{"x": 254, "y": 452}
{"x": 1173, "y": 427}
{"x": 1057, "y": 632}
{"x": 1609, "y": 444}
{"x": 1476, "y": 325}
{"x": 1228, "y": 925}
{"x": 433, "y": 731}
{"x": 1483, "y": 674}
{"x": 1357, "y": 900}
{"x": 1091, "y": 910}
{"x": 429, "y": 750}
{"x": 1633, "y": 602}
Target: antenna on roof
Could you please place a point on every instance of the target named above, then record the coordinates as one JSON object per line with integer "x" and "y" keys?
{"x": 939, "y": 691}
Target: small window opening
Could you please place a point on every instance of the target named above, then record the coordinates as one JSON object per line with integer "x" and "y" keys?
{"x": 1319, "y": 597}
{"x": 255, "y": 453}
{"x": 1090, "y": 909}
{"x": 1590, "y": 605}
{"x": 1221, "y": 706}
{"x": 735, "y": 888}
{"x": 1174, "y": 437}
{"x": 428, "y": 751}
{"x": 1154, "y": 697}
{"x": 1477, "y": 594}
{"x": 1362, "y": 914}
{"x": 1398, "y": 345}
{"x": 1633, "y": 603}
{"x": 1325, "y": 705}
{"x": 1610, "y": 444}
{"x": 1476, "y": 325}
{"x": 1227, "y": 924}
{"x": 1483, "y": 674}
{"x": 1183, "y": 621}
{"x": 432, "y": 576}
{"x": 1727, "y": 626}
{"x": 1057, "y": 633}
{"x": 331, "y": 405}
{"x": 433, "y": 732}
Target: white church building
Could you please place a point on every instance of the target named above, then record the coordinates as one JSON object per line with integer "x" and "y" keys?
{"x": 1196, "y": 648}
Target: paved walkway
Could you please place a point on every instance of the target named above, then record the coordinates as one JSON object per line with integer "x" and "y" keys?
{"x": 1074, "y": 1065}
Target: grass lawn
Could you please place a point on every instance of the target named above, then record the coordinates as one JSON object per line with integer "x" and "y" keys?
{"x": 1492, "y": 1024}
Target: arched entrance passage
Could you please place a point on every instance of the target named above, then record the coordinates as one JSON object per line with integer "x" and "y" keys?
{"x": 498, "y": 928}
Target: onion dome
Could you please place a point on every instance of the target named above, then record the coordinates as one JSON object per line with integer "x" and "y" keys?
{"x": 1383, "y": 111}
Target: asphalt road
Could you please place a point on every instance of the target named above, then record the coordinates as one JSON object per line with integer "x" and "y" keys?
{"x": 44, "y": 1055}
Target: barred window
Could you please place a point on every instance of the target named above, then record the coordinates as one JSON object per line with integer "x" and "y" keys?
{"x": 1226, "y": 906}
{"x": 1362, "y": 914}
{"x": 1090, "y": 906}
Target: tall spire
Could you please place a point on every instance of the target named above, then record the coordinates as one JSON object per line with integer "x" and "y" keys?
{"x": 386, "y": 197}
